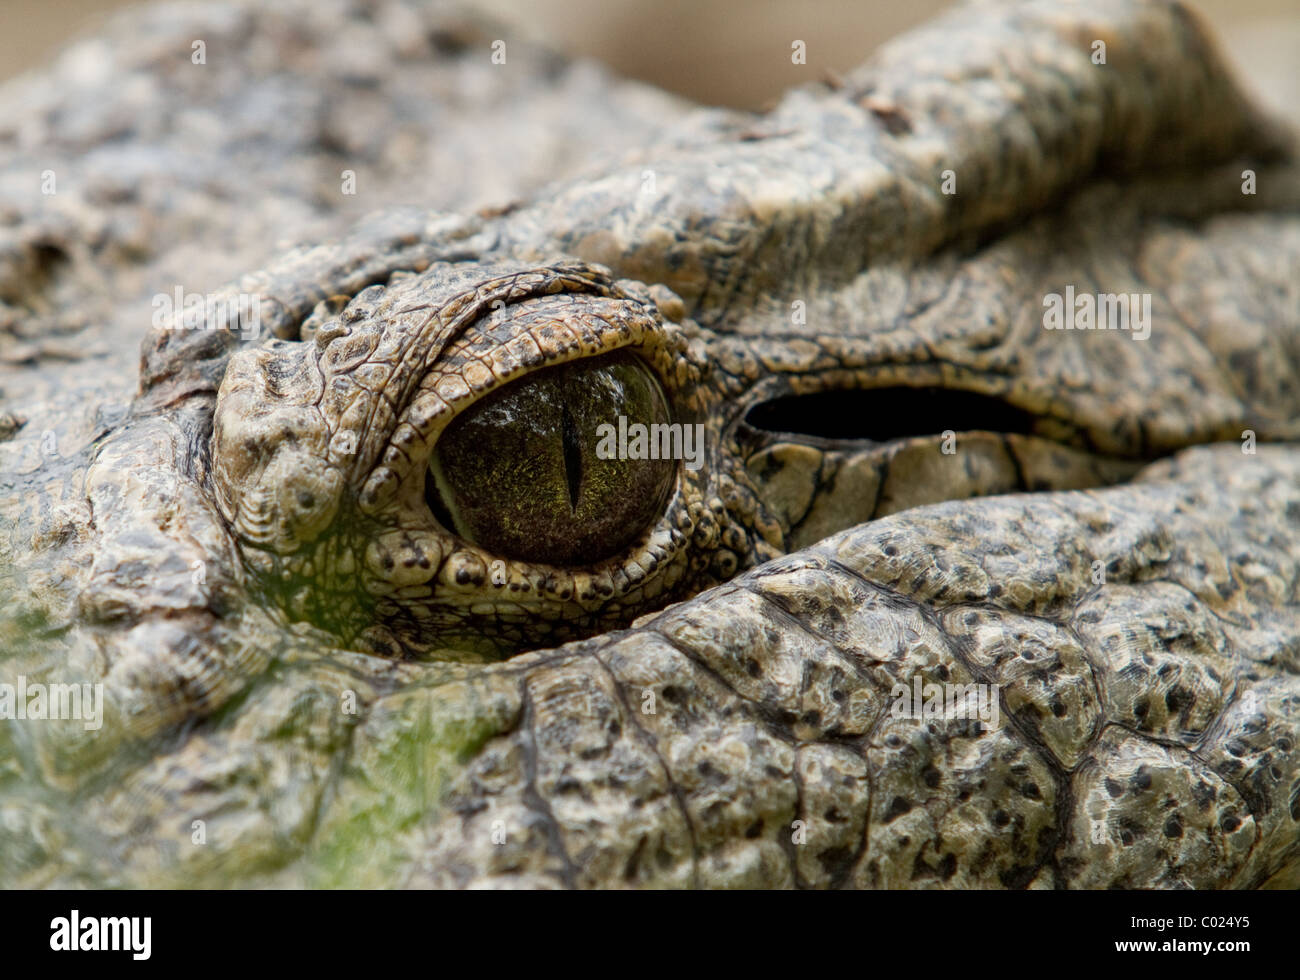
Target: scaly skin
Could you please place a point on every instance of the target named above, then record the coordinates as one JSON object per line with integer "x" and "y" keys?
{"x": 299, "y": 655}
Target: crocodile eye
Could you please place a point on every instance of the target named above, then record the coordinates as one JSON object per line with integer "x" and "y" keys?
{"x": 519, "y": 473}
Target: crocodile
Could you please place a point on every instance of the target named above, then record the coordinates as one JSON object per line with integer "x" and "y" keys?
{"x": 368, "y": 605}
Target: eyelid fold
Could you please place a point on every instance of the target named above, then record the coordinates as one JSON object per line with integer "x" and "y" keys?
{"x": 509, "y": 344}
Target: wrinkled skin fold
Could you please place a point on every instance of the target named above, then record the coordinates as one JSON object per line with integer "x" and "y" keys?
{"x": 310, "y": 681}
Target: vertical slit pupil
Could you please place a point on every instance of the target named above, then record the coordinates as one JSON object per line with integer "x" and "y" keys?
{"x": 572, "y": 455}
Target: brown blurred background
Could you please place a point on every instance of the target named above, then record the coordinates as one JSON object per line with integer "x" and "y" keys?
{"x": 730, "y": 52}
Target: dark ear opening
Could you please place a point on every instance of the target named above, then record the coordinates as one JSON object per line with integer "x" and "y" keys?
{"x": 884, "y": 414}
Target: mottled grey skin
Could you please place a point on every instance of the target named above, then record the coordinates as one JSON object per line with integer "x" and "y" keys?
{"x": 311, "y": 681}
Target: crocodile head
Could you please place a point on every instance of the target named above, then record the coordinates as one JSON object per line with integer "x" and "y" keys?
{"x": 586, "y": 540}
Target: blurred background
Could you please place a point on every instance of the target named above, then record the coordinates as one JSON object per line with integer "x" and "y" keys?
{"x": 727, "y": 52}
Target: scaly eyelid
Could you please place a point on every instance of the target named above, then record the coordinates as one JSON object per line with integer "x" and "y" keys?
{"x": 479, "y": 365}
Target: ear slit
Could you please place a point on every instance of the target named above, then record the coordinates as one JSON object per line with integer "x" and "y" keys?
{"x": 885, "y": 414}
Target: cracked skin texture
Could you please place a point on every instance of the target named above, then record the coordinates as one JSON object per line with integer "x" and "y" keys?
{"x": 298, "y": 654}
